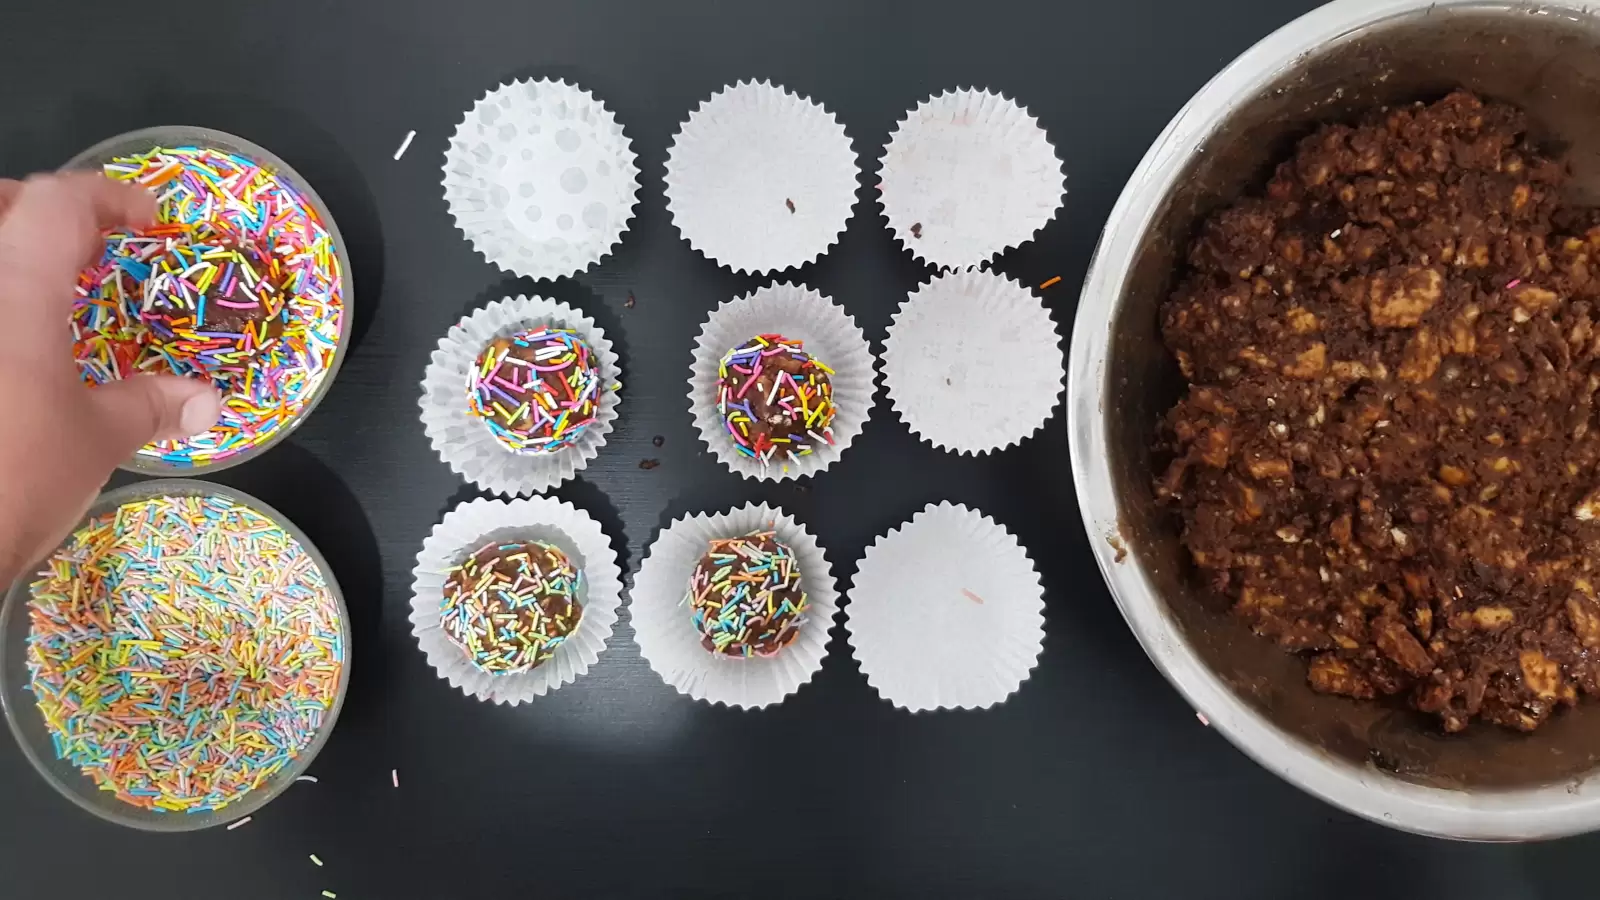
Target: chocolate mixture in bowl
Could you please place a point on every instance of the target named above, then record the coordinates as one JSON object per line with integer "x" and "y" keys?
{"x": 1386, "y": 456}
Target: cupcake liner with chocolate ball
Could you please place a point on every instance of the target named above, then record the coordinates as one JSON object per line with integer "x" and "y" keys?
{"x": 521, "y": 395}
{"x": 776, "y": 399}
{"x": 513, "y": 599}
{"x": 536, "y": 390}
{"x": 746, "y": 596}
{"x": 509, "y": 605}
{"x": 734, "y": 607}
{"x": 781, "y": 383}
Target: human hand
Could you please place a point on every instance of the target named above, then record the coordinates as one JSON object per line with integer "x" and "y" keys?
{"x": 60, "y": 439}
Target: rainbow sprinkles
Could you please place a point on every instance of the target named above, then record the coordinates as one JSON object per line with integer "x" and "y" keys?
{"x": 211, "y": 198}
{"x": 183, "y": 651}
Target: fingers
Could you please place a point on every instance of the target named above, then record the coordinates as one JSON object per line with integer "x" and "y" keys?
{"x": 8, "y": 192}
{"x": 130, "y": 414}
{"x": 50, "y": 230}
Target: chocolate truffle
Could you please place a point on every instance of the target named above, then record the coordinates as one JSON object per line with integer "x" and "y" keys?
{"x": 775, "y": 398}
{"x": 746, "y": 596}
{"x": 214, "y": 304}
{"x": 511, "y": 604}
{"x": 537, "y": 390}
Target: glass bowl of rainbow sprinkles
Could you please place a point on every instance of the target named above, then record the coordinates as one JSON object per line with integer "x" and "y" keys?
{"x": 244, "y": 280}
{"x": 179, "y": 660}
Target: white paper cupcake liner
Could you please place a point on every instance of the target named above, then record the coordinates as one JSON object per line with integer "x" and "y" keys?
{"x": 664, "y": 628}
{"x": 973, "y": 362}
{"x": 967, "y": 175}
{"x": 760, "y": 179}
{"x": 540, "y": 178}
{"x": 946, "y": 611}
{"x": 473, "y": 524}
{"x": 465, "y": 443}
{"x": 830, "y": 335}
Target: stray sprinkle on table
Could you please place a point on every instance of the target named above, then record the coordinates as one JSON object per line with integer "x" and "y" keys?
{"x": 243, "y": 821}
{"x": 208, "y": 196}
{"x": 394, "y": 776}
{"x": 1050, "y": 282}
{"x": 315, "y": 860}
{"x": 405, "y": 144}
{"x": 183, "y": 651}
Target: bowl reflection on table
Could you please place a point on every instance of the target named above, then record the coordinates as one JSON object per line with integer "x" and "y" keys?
{"x": 1333, "y": 64}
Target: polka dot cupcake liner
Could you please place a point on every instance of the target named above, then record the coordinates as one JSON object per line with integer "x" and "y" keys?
{"x": 474, "y": 524}
{"x": 541, "y": 179}
{"x": 946, "y": 612}
{"x": 829, "y": 334}
{"x": 465, "y": 443}
{"x": 967, "y": 175}
{"x": 760, "y": 179}
{"x": 664, "y": 628}
{"x": 973, "y": 362}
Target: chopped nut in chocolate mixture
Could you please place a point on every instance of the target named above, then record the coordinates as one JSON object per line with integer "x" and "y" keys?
{"x": 1387, "y": 456}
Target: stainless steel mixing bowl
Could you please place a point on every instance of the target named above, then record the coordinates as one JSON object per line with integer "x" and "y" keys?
{"x": 1383, "y": 763}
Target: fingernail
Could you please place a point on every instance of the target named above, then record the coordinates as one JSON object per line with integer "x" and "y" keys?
{"x": 200, "y": 412}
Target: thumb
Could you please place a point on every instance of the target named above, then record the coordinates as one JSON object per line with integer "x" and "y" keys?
{"x": 145, "y": 408}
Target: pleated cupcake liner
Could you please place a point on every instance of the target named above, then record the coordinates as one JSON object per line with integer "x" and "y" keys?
{"x": 663, "y": 623}
{"x": 465, "y": 442}
{"x": 541, "y": 179}
{"x": 829, "y": 334}
{"x": 760, "y": 179}
{"x": 472, "y": 525}
{"x": 967, "y": 175}
{"x": 946, "y": 612}
{"x": 973, "y": 362}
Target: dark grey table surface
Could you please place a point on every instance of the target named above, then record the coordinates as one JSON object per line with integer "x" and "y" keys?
{"x": 1094, "y": 781}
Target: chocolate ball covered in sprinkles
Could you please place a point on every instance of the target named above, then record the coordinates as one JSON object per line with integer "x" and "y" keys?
{"x": 776, "y": 399}
{"x": 746, "y": 597}
{"x": 214, "y": 304}
{"x": 537, "y": 390}
{"x": 212, "y": 199}
{"x": 511, "y": 604}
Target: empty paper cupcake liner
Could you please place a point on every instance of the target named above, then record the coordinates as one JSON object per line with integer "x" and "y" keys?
{"x": 465, "y": 443}
{"x": 967, "y": 175}
{"x": 760, "y": 179}
{"x": 467, "y": 528}
{"x": 946, "y": 611}
{"x": 829, "y": 334}
{"x": 973, "y": 362}
{"x": 540, "y": 178}
{"x": 663, "y": 623}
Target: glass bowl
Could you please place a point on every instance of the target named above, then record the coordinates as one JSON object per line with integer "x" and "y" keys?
{"x": 28, "y": 726}
{"x": 145, "y": 139}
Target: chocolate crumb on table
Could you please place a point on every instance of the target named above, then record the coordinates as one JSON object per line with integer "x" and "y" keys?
{"x": 1386, "y": 457}
{"x": 649, "y": 463}
{"x": 789, "y": 203}
{"x": 916, "y": 230}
